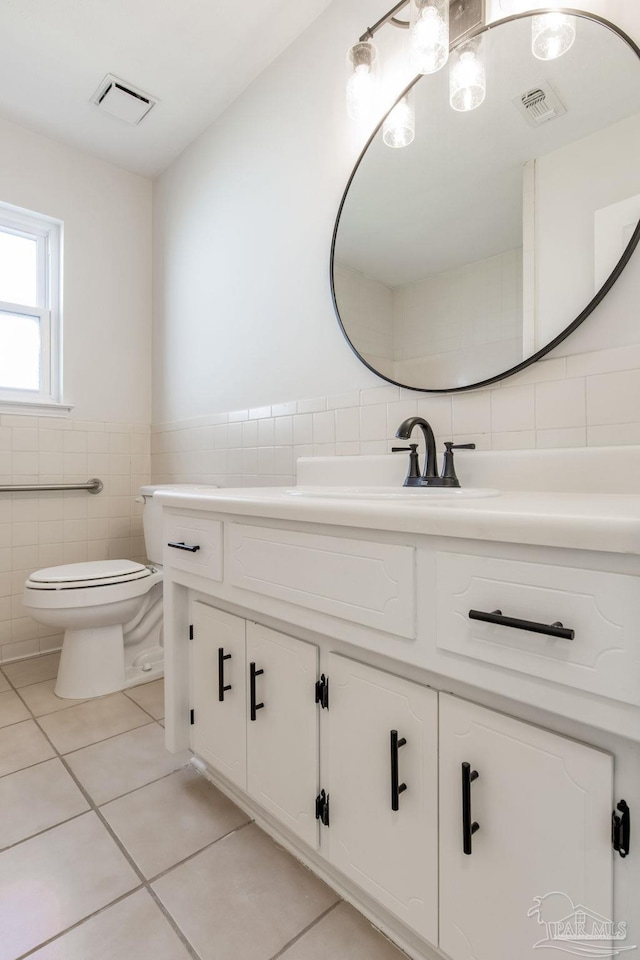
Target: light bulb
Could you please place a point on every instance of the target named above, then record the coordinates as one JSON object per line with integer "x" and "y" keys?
{"x": 429, "y": 37}
{"x": 361, "y": 80}
{"x": 467, "y": 77}
{"x": 552, "y": 34}
{"x": 399, "y": 129}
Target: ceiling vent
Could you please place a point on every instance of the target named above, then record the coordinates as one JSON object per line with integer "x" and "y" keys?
{"x": 121, "y": 100}
{"x": 539, "y": 105}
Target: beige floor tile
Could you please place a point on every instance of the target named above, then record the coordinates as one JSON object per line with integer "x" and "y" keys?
{"x": 149, "y": 696}
{"x": 4, "y": 683}
{"x": 23, "y": 672}
{"x": 244, "y": 897}
{"x": 92, "y": 721}
{"x": 134, "y": 929}
{"x": 116, "y": 766}
{"x": 41, "y": 699}
{"x": 197, "y": 814}
{"x": 343, "y": 933}
{"x": 22, "y": 745}
{"x": 35, "y": 799}
{"x": 56, "y": 879}
{"x": 12, "y": 709}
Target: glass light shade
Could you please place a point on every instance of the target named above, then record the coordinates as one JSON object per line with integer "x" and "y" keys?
{"x": 552, "y": 34}
{"x": 399, "y": 129}
{"x": 467, "y": 77}
{"x": 362, "y": 61}
{"x": 429, "y": 35}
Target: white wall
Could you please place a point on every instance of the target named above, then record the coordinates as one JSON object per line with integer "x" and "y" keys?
{"x": 107, "y": 269}
{"x": 243, "y": 222}
{"x": 107, "y": 377}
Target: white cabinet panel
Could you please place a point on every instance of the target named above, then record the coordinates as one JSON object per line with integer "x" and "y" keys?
{"x": 202, "y": 535}
{"x": 357, "y": 580}
{"x": 602, "y": 608}
{"x": 218, "y": 734}
{"x": 283, "y": 740}
{"x": 543, "y": 804}
{"x": 393, "y": 855}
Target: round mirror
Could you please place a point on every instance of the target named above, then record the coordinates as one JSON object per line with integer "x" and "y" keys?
{"x": 475, "y": 250}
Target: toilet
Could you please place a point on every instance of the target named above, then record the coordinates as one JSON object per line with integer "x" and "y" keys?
{"x": 110, "y": 611}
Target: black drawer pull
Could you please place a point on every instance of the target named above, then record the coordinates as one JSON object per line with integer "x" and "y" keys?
{"x": 222, "y": 689}
{"x": 183, "y": 546}
{"x": 548, "y": 629}
{"x": 396, "y": 788}
{"x": 469, "y": 826}
{"x": 253, "y": 673}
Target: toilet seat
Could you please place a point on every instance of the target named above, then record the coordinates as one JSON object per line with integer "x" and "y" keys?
{"x": 98, "y": 573}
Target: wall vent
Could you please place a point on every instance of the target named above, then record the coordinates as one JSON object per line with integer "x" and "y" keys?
{"x": 539, "y": 104}
{"x": 122, "y": 100}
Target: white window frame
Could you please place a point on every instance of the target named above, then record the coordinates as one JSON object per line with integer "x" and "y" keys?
{"x": 47, "y": 233}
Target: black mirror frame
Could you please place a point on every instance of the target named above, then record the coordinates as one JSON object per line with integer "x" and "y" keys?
{"x": 591, "y": 306}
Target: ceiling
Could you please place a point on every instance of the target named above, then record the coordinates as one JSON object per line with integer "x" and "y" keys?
{"x": 194, "y": 56}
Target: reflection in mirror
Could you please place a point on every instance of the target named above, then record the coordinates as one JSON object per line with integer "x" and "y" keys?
{"x": 467, "y": 253}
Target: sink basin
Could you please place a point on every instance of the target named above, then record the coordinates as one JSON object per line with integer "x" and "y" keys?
{"x": 400, "y": 494}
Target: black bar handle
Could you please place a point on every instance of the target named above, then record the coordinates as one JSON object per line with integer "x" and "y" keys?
{"x": 469, "y": 826}
{"x": 184, "y": 546}
{"x": 222, "y": 689}
{"x": 621, "y": 829}
{"x": 556, "y": 629}
{"x": 396, "y": 787}
{"x": 253, "y": 673}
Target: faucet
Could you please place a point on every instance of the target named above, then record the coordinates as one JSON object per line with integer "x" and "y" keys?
{"x": 430, "y": 471}
{"x": 429, "y": 477}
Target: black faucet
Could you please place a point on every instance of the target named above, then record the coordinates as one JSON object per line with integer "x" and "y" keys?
{"x": 429, "y": 476}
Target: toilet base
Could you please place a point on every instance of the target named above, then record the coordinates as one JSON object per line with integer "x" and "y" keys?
{"x": 91, "y": 663}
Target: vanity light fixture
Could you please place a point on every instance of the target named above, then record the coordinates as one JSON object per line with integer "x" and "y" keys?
{"x": 429, "y": 35}
{"x": 467, "y": 76}
{"x": 552, "y": 35}
{"x": 399, "y": 128}
{"x": 433, "y": 26}
{"x": 362, "y": 70}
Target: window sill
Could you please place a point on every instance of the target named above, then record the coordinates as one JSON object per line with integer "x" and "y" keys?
{"x": 31, "y": 408}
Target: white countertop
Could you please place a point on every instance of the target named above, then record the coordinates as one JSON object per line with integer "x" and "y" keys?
{"x": 583, "y": 521}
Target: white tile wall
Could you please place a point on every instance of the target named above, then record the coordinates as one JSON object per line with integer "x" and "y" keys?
{"x": 588, "y": 399}
{"x": 48, "y": 528}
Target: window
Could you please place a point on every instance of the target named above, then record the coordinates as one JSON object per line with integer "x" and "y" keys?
{"x": 29, "y": 307}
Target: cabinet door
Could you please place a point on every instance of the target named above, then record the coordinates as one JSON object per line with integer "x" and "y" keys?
{"x": 218, "y": 692}
{"x": 282, "y": 740}
{"x": 543, "y": 807}
{"x": 392, "y": 854}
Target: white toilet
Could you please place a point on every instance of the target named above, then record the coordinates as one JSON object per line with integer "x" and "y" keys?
{"x": 111, "y": 614}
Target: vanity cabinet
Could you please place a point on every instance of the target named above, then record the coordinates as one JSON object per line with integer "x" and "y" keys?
{"x": 254, "y": 716}
{"x": 376, "y": 777}
{"x": 543, "y": 808}
{"x": 219, "y": 692}
{"x": 283, "y": 739}
{"x": 383, "y": 789}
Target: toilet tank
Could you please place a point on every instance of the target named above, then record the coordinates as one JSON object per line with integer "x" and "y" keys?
{"x": 152, "y": 516}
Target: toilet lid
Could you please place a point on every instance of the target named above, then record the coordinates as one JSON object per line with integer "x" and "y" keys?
{"x": 114, "y": 570}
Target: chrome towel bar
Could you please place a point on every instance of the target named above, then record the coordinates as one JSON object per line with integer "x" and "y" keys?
{"x": 93, "y": 486}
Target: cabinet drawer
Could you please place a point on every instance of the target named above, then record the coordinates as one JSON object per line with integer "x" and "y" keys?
{"x": 602, "y": 610}
{"x": 357, "y": 580}
{"x": 193, "y": 532}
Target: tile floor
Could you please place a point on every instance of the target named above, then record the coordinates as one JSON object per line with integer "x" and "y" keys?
{"x": 113, "y": 849}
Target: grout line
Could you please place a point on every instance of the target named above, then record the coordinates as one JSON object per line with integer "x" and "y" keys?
{"x": 79, "y": 923}
{"x": 123, "y": 850}
{"x": 163, "y": 873}
{"x": 309, "y": 927}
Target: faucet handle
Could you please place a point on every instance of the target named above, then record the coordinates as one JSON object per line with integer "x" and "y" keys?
{"x": 414, "y": 464}
{"x": 448, "y": 475}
